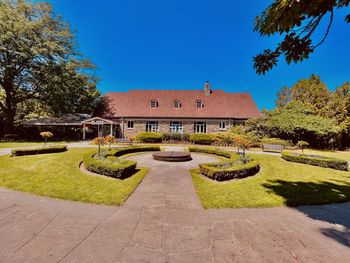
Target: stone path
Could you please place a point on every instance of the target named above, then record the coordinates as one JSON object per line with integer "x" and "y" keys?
{"x": 164, "y": 222}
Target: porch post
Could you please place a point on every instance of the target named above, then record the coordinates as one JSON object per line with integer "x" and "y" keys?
{"x": 111, "y": 129}
{"x": 84, "y": 131}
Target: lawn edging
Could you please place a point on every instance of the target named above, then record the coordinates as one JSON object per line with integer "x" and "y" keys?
{"x": 322, "y": 161}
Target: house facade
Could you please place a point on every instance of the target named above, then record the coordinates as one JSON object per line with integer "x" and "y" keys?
{"x": 178, "y": 111}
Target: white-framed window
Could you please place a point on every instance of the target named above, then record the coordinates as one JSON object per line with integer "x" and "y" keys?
{"x": 199, "y": 104}
{"x": 176, "y": 127}
{"x": 152, "y": 126}
{"x": 176, "y": 104}
{"x": 154, "y": 104}
{"x": 222, "y": 125}
{"x": 200, "y": 127}
{"x": 130, "y": 125}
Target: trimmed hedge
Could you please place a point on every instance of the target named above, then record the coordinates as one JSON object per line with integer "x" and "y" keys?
{"x": 228, "y": 171}
{"x": 149, "y": 137}
{"x": 200, "y": 138}
{"x": 39, "y": 150}
{"x": 108, "y": 167}
{"x": 226, "y": 154}
{"x": 123, "y": 151}
{"x": 321, "y": 161}
{"x": 233, "y": 168}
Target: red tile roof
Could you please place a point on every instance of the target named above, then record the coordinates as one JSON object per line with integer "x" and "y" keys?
{"x": 219, "y": 104}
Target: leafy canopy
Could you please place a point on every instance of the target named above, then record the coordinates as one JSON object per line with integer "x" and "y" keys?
{"x": 297, "y": 20}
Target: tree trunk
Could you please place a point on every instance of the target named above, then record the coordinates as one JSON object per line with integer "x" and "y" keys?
{"x": 10, "y": 107}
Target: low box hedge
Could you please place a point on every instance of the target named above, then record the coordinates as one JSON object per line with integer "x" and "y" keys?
{"x": 39, "y": 150}
{"x": 321, "y": 161}
{"x": 123, "y": 151}
{"x": 233, "y": 168}
{"x": 206, "y": 139}
{"x": 226, "y": 154}
{"x": 149, "y": 137}
{"x": 120, "y": 170}
{"x": 116, "y": 169}
{"x": 228, "y": 171}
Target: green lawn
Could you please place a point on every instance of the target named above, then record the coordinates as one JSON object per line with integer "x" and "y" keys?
{"x": 335, "y": 154}
{"x": 279, "y": 183}
{"x": 57, "y": 175}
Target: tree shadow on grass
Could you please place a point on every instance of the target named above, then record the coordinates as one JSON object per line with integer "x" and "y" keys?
{"x": 316, "y": 193}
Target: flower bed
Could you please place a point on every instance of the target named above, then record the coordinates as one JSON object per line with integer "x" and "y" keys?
{"x": 110, "y": 165}
{"x": 316, "y": 160}
{"x": 233, "y": 168}
{"x": 39, "y": 150}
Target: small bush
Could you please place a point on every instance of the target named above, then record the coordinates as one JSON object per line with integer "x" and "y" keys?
{"x": 233, "y": 168}
{"x": 275, "y": 141}
{"x": 124, "y": 151}
{"x": 39, "y": 150}
{"x": 149, "y": 137}
{"x": 167, "y": 136}
{"x": 321, "y": 161}
{"x": 106, "y": 167}
{"x": 201, "y": 138}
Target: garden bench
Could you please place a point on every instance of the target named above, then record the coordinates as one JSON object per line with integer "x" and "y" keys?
{"x": 123, "y": 140}
{"x": 272, "y": 147}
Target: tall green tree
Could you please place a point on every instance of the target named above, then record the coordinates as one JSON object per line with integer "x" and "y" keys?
{"x": 39, "y": 61}
{"x": 283, "y": 97}
{"x": 297, "y": 20}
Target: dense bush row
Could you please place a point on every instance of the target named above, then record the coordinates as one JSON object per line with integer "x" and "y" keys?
{"x": 149, "y": 137}
{"x": 39, "y": 150}
{"x": 233, "y": 168}
{"x": 204, "y": 138}
{"x": 114, "y": 167}
{"x": 321, "y": 161}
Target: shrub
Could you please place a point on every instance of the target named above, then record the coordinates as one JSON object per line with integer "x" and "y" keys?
{"x": 201, "y": 138}
{"x": 321, "y": 161}
{"x": 185, "y": 137}
{"x": 243, "y": 142}
{"x": 149, "y": 137}
{"x": 167, "y": 136}
{"x": 46, "y": 135}
{"x": 105, "y": 165}
{"x": 233, "y": 168}
{"x": 39, "y": 150}
{"x": 276, "y": 141}
{"x": 124, "y": 151}
{"x": 110, "y": 168}
{"x": 99, "y": 141}
{"x": 109, "y": 139}
{"x": 302, "y": 145}
{"x": 228, "y": 171}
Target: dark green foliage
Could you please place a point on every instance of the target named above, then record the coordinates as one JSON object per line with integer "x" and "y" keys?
{"x": 167, "y": 136}
{"x": 149, "y": 137}
{"x": 233, "y": 168}
{"x": 39, "y": 150}
{"x": 226, "y": 154}
{"x": 120, "y": 170}
{"x": 297, "y": 20}
{"x": 128, "y": 150}
{"x": 321, "y": 161}
{"x": 201, "y": 138}
{"x": 229, "y": 171}
{"x": 110, "y": 166}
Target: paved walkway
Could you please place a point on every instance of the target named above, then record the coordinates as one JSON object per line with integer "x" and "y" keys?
{"x": 164, "y": 222}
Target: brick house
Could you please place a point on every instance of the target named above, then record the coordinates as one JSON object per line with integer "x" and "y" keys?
{"x": 190, "y": 111}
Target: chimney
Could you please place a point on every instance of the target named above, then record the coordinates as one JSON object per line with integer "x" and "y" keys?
{"x": 207, "y": 89}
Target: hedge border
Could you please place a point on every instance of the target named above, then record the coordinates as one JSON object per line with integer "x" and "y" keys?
{"x": 39, "y": 150}
{"x": 228, "y": 169}
{"x": 322, "y": 161}
{"x": 120, "y": 170}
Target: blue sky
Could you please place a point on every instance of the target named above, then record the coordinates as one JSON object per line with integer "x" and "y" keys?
{"x": 178, "y": 44}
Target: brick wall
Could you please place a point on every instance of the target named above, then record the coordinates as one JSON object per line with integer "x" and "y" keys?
{"x": 188, "y": 126}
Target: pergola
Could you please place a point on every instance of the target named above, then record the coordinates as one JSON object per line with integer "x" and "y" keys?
{"x": 100, "y": 122}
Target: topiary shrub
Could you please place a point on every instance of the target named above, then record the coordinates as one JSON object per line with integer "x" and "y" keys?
{"x": 39, "y": 150}
{"x": 321, "y": 161}
{"x": 115, "y": 169}
{"x": 233, "y": 168}
{"x": 200, "y": 138}
{"x": 149, "y": 137}
{"x": 110, "y": 166}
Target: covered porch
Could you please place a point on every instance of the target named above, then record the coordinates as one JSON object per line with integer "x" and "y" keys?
{"x": 98, "y": 126}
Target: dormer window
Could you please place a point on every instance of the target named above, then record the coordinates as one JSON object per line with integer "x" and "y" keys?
{"x": 154, "y": 104}
{"x": 176, "y": 104}
{"x": 199, "y": 104}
